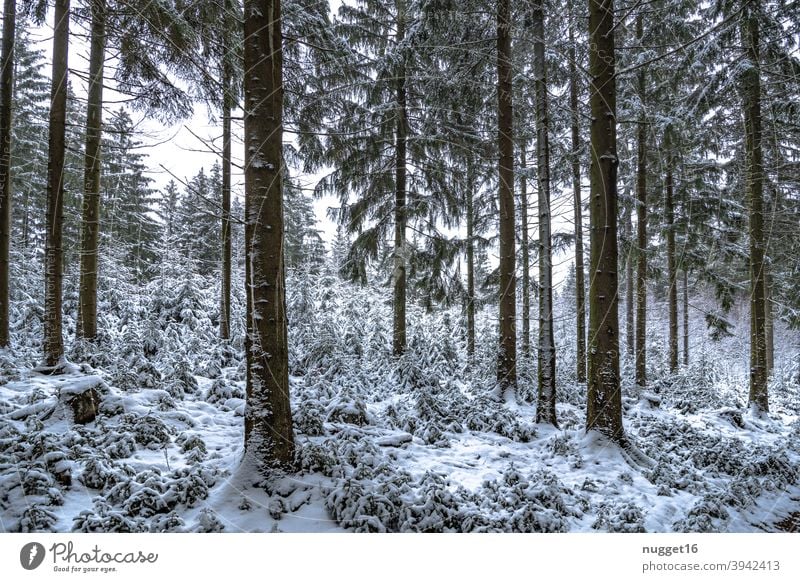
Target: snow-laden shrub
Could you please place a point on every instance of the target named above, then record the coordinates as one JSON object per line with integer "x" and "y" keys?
{"x": 367, "y": 506}
{"x": 37, "y": 518}
{"x": 619, "y": 517}
{"x": 485, "y": 414}
{"x": 707, "y": 515}
{"x": 103, "y": 518}
{"x": 347, "y": 407}
{"x": 312, "y": 458}
{"x": 187, "y": 486}
{"x": 191, "y": 442}
{"x": 179, "y": 379}
{"x": 208, "y": 522}
{"x": 538, "y": 502}
{"x": 148, "y": 431}
{"x": 432, "y": 508}
{"x": 222, "y": 390}
{"x": 170, "y": 522}
{"x": 308, "y": 412}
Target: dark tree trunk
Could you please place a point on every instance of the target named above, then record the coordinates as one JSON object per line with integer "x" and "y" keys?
{"x": 90, "y": 231}
{"x": 751, "y": 91}
{"x": 672, "y": 272}
{"x": 269, "y": 437}
{"x": 641, "y": 227}
{"x": 604, "y": 401}
{"x": 546, "y": 405}
{"x": 580, "y": 284}
{"x": 769, "y": 322}
{"x": 507, "y": 349}
{"x": 6, "y": 94}
{"x": 526, "y": 260}
{"x": 400, "y": 217}
{"x": 630, "y": 323}
{"x": 685, "y": 318}
{"x": 470, "y": 259}
{"x": 227, "y": 105}
{"x": 54, "y": 253}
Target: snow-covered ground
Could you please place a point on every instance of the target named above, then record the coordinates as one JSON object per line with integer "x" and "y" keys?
{"x": 411, "y": 445}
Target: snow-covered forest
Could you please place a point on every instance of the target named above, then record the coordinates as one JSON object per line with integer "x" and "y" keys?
{"x": 558, "y": 289}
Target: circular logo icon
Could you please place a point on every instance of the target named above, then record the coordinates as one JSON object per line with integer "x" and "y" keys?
{"x": 31, "y": 555}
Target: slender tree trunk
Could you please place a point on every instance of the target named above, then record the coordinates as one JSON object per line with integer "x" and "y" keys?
{"x": 400, "y": 217}
{"x": 685, "y": 318}
{"x": 227, "y": 105}
{"x": 54, "y": 253}
{"x": 627, "y": 229}
{"x": 751, "y": 91}
{"x": 580, "y": 284}
{"x": 769, "y": 322}
{"x": 507, "y": 352}
{"x": 604, "y": 401}
{"x": 672, "y": 272}
{"x": 546, "y": 405}
{"x": 90, "y": 227}
{"x": 269, "y": 437}
{"x": 6, "y": 94}
{"x": 470, "y": 259}
{"x": 641, "y": 227}
{"x": 526, "y": 261}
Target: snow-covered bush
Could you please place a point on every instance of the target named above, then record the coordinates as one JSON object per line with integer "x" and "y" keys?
{"x": 619, "y": 517}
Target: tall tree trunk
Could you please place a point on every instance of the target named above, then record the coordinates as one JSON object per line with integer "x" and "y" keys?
{"x": 400, "y": 217}
{"x": 580, "y": 284}
{"x": 90, "y": 226}
{"x": 507, "y": 352}
{"x": 269, "y": 438}
{"x": 470, "y": 258}
{"x": 769, "y": 322}
{"x": 627, "y": 234}
{"x": 546, "y": 405}
{"x": 751, "y": 91}
{"x": 526, "y": 261}
{"x": 672, "y": 272}
{"x": 6, "y": 94}
{"x": 604, "y": 401}
{"x": 641, "y": 225}
{"x": 54, "y": 254}
{"x": 227, "y": 105}
{"x": 685, "y": 318}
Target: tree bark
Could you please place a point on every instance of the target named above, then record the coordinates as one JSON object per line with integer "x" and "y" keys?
{"x": 685, "y": 318}
{"x": 751, "y": 90}
{"x": 546, "y": 405}
{"x": 54, "y": 254}
{"x": 507, "y": 349}
{"x": 769, "y": 322}
{"x": 6, "y": 94}
{"x": 470, "y": 259}
{"x": 269, "y": 439}
{"x": 604, "y": 401}
{"x": 526, "y": 261}
{"x": 630, "y": 323}
{"x": 90, "y": 225}
{"x": 400, "y": 218}
{"x": 641, "y": 226}
{"x": 580, "y": 284}
{"x": 672, "y": 273}
{"x": 227, "y": 106}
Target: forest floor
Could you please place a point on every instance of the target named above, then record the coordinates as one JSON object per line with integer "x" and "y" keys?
{"x": 444, "y": 459}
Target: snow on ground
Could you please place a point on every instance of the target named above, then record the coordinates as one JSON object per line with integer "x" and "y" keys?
{"x": 383, "y": 444}
{"x": 153, "y": 462}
